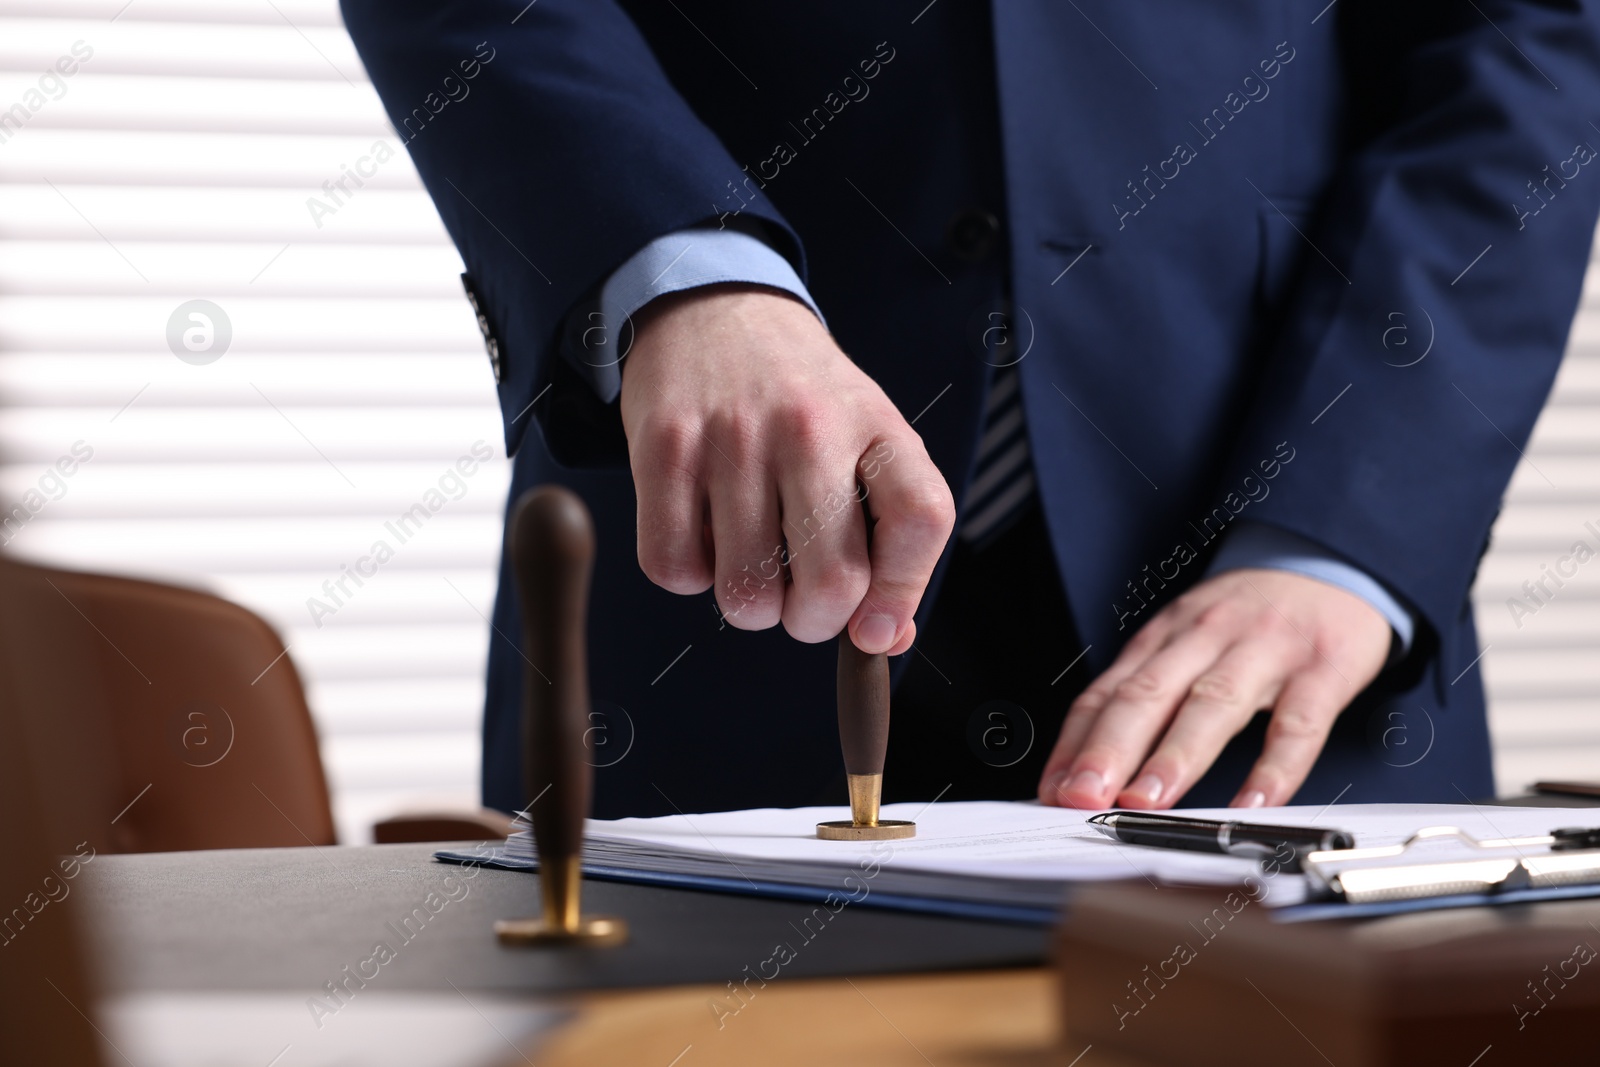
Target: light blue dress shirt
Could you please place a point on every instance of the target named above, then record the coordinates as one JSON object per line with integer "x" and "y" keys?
{"x": 683, "y": 260}
{"x": 691, "y": 258}
{"x": 1259, "y": 544}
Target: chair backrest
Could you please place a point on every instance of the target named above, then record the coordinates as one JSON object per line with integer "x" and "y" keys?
{"x": 44, "y": 983}
{"x": 169, "y": 718}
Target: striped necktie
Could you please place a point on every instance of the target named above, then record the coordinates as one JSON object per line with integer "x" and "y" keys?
{"x": 1002, "y": 483}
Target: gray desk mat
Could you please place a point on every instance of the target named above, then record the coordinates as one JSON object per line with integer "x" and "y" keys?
{"x": 294, "y": 918}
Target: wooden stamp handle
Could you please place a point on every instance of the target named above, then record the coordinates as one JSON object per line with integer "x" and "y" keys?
{"x": 863, "y": 696}
{"x": 552, "y": 547}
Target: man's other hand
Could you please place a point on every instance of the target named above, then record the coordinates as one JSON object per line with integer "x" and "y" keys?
{"x": 1145, "y": 731}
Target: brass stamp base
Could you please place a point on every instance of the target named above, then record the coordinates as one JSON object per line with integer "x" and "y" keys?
{"x": 864, "y": 824}
{"x": 884, "y": 830}
{"x": 593, "y": 931}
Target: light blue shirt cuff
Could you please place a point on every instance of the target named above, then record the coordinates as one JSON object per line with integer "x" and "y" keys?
{"x": 685, "y": 259}
{"x": 1257, "y": 544}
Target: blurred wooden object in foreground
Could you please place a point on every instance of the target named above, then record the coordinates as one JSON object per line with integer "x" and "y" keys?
{"x": 1204, "y": 978}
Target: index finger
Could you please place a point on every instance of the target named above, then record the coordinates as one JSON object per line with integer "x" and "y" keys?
{"x": 1088, "y": 705}
{"x": 914, "y": 513}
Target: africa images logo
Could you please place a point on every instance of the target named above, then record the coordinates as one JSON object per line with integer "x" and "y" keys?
{"x": 199, "y": 332}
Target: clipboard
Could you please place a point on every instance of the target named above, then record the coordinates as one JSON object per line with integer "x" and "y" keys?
{"x": 1441, "y": 862}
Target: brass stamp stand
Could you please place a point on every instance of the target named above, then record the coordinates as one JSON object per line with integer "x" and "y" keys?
{"x": 552, "y": 548}
{"x": 863, "y": 696}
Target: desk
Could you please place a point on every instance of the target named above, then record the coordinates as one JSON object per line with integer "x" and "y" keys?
{"x": 292, "y": 918}
{"x": 287, "y": 921}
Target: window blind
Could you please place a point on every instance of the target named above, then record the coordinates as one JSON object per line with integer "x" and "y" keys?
{"x": 179, "y": 162}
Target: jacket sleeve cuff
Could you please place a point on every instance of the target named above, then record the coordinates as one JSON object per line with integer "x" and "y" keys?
{"x": 1255, "y": 544}
{"x": 685, "y": 259}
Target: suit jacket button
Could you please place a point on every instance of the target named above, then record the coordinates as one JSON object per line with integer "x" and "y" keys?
{"x": 974, "y": 235}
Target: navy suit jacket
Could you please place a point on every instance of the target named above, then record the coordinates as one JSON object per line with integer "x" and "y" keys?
{"x": 1310, "y": 267}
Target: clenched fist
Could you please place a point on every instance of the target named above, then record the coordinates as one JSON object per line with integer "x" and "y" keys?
{"x": 752, "y": 437}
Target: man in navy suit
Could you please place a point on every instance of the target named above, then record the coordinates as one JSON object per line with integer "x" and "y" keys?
{"x": 1212, "y": 332}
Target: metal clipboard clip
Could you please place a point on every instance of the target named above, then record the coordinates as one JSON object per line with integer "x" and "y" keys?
{"x": 1442, "y": 861}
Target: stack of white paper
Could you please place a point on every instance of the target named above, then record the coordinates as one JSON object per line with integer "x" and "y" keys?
{"x": 988, "y": 853}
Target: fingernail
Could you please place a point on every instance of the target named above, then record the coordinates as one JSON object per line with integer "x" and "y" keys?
{"x": 1253, "y": 799}
{"x": 1148, "y": 786}
{"x": 1087, "y": 784}
{"x": 876, "y": 633}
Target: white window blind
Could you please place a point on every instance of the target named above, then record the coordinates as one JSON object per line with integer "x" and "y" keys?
{"x": 175, "y": 164}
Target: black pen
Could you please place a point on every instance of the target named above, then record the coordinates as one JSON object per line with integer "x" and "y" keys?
{"x": 1254, "y": 840}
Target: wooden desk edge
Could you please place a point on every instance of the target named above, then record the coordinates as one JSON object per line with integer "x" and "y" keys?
{"x": 1008, "y": 1017}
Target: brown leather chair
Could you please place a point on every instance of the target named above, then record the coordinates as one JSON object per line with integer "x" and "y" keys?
{"x": 172, "y": 719}
{"x": 46, "y": 992}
